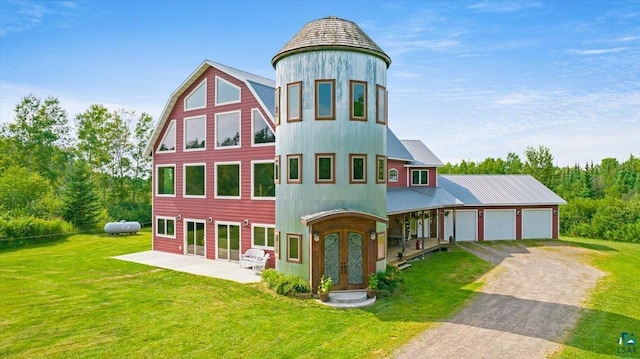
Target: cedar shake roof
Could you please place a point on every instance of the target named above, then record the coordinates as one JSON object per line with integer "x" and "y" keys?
{"x": 331, "y": 33}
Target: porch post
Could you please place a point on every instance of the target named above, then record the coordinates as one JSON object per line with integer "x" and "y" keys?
{"x": 404, "y": 231}
{"x": 423, "y": 225}
{"x": 454, "y": 224}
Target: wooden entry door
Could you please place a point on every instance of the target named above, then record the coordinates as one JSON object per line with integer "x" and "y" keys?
{"x": 344, "y": 258}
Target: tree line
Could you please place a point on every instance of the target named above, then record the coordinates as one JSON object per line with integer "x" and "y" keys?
{"x": 603, "y": 198}
{"x": 60, "y": 174}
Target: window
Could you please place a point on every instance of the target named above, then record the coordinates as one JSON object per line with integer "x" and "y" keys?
{"x": 263, "y": 236}
{"x": 276, "y": 170}
{"x": 419, "y": 177}
{"x": 294, "y": 244}
{"x": 276, "y": 110}
{"x": 228, "y": 130}
{"x": 165, "y": 181}
{"x": 195, "y": 133}
{"x": 263, "y": 184}
{"x": 166, "y": 227}
{"x": 358, "y": 168}
{"x": 294, "y": 168}
{"x": 168, "y": 143}
{"x": 381, "y": 105}
{"x": 276, "y": 243}
{"x": 294, "y": 102}
{"x": 228, "y": 180}
{"x": 262, "y": 134}
{"x": 197, "y": 98}
{"x": 358, "y": 104}
{"x": 325, "y": 168}
{"x": 226, "y": 92}
{"x": 381, "y": 168}
{"x": 325, "y": 99}
{"x": 393, "y": 175}
{"x": 194, "y": 180}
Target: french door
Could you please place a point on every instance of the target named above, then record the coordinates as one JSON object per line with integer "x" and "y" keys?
{"x": 195, "y": 238}
{"x": 344, "y": 259}
{"x": 228, "y": 241}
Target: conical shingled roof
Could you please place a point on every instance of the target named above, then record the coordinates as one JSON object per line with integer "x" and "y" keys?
{"x": 331, "y": 33}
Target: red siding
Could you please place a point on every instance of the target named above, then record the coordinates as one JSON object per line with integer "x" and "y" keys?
{"x": 227, "y": 210}
{"x": 402, "y": 173}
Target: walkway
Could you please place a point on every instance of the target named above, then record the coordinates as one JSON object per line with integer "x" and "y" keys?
{"x": 194, "y": 265}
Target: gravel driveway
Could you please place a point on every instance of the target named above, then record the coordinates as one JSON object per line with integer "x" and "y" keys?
{"x": 530, "y": 301}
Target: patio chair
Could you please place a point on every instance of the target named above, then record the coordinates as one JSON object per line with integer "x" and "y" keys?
{"x": 259, "y": 267}
{"x": 251, "y": 257}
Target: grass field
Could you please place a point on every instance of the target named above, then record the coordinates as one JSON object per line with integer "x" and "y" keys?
{"x": 70, "y": 299}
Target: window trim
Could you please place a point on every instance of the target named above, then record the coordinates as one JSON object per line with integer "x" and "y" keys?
{"x": 351, "y": 115}
{"x": 253, "y": 130}
{"x": 333, "y": 168}
{"x": 298, "y": 237}
{"x": 419, "y": 170}
{"x": 276, "y": 169}
{"x": 253, "y": 182}
{"x": 184, "y": 179}
{"x": 265, "y": 226}
{"x": 184, "y": 135}
{"x": 332, "y": 116}
{"x": 276, "y": 110}
{"x": 233, "y": 85}
{"x": 397, "y": 174}
{"x": 384, "y": 91}
{"x": 175, "y": 133}
{"x": 173, "y": 165}
{"x": 192, "y": 92}
{"x": 299, "y": 118}
{"x": 276, "y": 243}
{"x": 299, "y": 157}
{"x": 166, "y": 218}
{"x": 384, "y": 169}
{"x": 215, "y": 180}
{"x": 353, "y": 156}
{"x": 215, "y": 139}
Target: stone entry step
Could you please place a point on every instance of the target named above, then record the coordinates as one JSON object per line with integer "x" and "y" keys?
{"x": 349, "y": 299}
{"x": 403, "y": 265}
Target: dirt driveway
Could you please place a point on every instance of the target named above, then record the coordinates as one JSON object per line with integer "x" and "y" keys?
{"x": 530, "y": 302}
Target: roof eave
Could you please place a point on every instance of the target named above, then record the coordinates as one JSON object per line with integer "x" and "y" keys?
{"x": 279, "y": 56}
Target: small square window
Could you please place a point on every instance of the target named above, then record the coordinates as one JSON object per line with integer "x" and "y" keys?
{"x": 165, "y": 227}
{"x": 381, "y": 168}
{"x": 263, "y": 236}
{"x": 294, "y": 248}
{"x": 294, "y": 168}
{"x": 420, "y": 177}
{"x": 358, "y": 168}
{"x": 325, "y": 99}
{"x": 358, "y": 102}
{"x": 294, "y": 102}
{"x": 325, "y": 168}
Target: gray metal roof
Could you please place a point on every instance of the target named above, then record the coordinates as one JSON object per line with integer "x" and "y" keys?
{"x": 421, "y": 154}
{"x": 495, "y": 190}
{"x": 331, "y": 33}
{"x": 402, "y": 200}
{"x": 315, "y": 217}
{"x": 265, "y": 94}
{"x": 395, "y": 148}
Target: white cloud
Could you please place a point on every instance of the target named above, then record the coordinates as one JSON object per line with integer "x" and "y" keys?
{"x": 504, "y": 6}
{"x": 597, "y": 51}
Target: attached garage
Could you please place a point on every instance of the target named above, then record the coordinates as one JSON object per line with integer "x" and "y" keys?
{"x": 466, "y": 225}
{"x": 537, "y": 223}
{"x": 499, "y": 224}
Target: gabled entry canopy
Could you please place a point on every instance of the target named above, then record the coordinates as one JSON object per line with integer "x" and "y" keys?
{"x": 311, "y": 219}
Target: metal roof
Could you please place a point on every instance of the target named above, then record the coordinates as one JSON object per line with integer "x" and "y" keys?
{"x": 421, "y": 154}
{"x": 395, "y": 149}
{"x": 409, "y": 199}
{"x": 331, "y": 33}
{"x": 266, "y": 95}
{"x": 496, "y": 190}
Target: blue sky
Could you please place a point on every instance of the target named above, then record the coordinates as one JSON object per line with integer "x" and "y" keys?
{"x": 471, "y": 79}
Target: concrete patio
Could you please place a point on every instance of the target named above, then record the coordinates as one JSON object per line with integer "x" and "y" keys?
{"x": 194, "y": 265}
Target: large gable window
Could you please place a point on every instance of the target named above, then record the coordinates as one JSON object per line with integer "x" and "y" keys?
{"x": 263, "y": 184}
{"x": 325, "y": 168}
{"x": 228, "y": 180}
{"x": 420, "y": 177}
{"x": 262, "y": 134}
{"x": 197, "y": 98}
{"x": 294, "y": 168}
{"x": 325, "y": 99}
{"x": 195, "y": 133}
{"x": 168, "y": 143}
{"x": 358, "y": 168}
{"x": 194, "y": 180}
{"x": 358, "y": 103}
{"x": 226, "y": 92}
{"x": 165, "y": 181}
{"x": 294, "y": 102}
{"x": 381, "y": 105}
{"x": 228, "y": 130}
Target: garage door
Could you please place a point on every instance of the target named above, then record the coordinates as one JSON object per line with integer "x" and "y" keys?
{"x": 499, "y": 224}
{"x": 536, "y": 223}
{"x": 466, "y": 225}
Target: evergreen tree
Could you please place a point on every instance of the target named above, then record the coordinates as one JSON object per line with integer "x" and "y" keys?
{"x": 81, "y": 204}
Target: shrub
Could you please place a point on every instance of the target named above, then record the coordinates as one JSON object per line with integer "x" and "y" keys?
{"x": 284, "y": 284}
{"x": 17, "y": 232}
{"x": 389, "y": 280}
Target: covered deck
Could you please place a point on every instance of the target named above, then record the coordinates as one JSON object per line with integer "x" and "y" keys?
{"x": 410, "y": 250}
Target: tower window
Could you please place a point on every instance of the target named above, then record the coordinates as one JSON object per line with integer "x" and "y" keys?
{"x": 325, "y": 99}
{"x": 294, "y": 168}
{"x": 381, "y": 105}
{"x": 325, "y": 168}
{"x": 381, "y": 168}
{"x": 358, "y": 168}
{"x": 294, "y": 102}
{"x": 358, "y": 104}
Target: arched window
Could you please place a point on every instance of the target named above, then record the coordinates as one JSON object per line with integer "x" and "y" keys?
{"x": 393, "y": 175}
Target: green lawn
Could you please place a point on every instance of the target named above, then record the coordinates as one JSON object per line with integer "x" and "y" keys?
{"x": 613, "y": 307}
{"x": 70, "y": 299}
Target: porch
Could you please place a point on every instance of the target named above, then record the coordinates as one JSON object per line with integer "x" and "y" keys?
{"x": 410, "y": 251}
